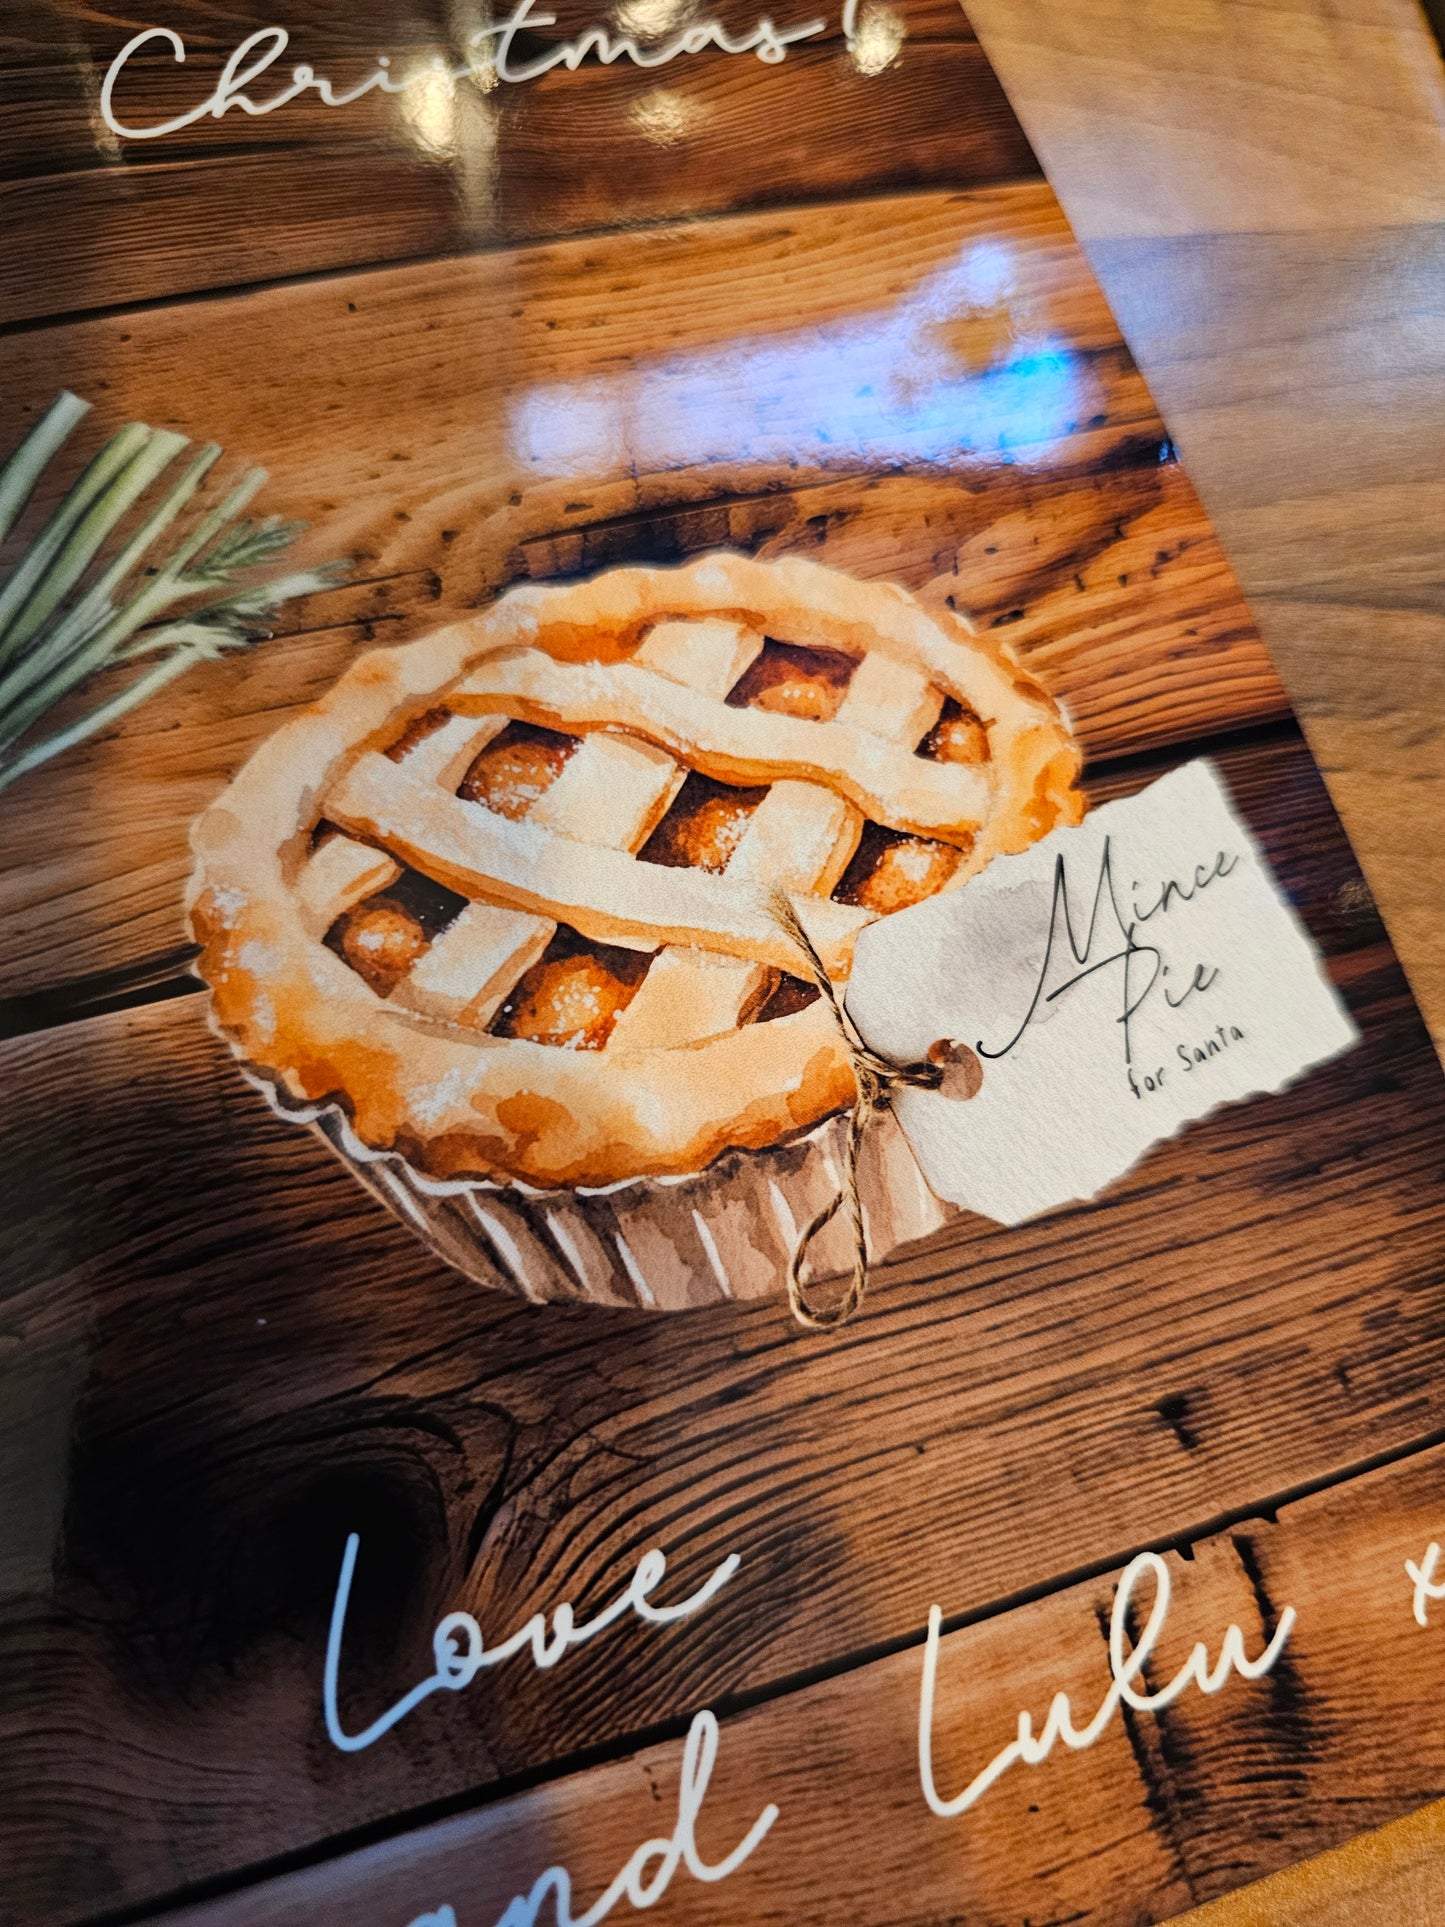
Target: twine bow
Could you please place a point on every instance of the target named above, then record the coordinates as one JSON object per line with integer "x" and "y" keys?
{"x": 877, "y": 1080}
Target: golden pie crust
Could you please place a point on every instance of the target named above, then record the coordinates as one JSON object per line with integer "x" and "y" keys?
{"x": 591, "y": 791}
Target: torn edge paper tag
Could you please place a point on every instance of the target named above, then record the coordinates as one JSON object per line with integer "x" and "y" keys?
{"x": 1116, "y": 981}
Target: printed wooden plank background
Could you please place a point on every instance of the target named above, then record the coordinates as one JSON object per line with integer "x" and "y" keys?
{"x": 210, "y": 1313}
{"x": 217, "y": 1356}
{"x": 311, "y": 189}
{"x": 1092, "y": 551}
{"x": 1294, "y": 1763}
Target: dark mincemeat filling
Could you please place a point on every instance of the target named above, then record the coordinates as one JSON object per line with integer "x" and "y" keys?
{"x": 891, "y": 870}
{"x": 793, "y": 680}
{"x": 703, "y": 826}
{"x": 383, "y": 937}
{"x": 574, "y": 993}
{"x": 572, "y": 996}
{"x": 516, "y": 768}
{"x": 957, "y": 737}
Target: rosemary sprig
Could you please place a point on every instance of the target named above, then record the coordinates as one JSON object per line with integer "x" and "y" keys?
{"x": 67, "y": 611}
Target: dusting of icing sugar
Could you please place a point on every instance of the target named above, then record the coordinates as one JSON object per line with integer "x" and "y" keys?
{"x": 259, "y": 958}
{"x": 712, "y": 580}
{"x": 227, "y": 903}
{"x": 914, "y": 860}
{"x": 432, "y": 1102}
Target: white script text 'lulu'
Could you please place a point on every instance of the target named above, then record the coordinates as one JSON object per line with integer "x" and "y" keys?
{"x": 1034, "y": 1749}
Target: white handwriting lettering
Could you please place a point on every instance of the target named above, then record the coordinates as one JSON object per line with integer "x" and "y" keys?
{"x": 461, "y": 1654}
{"x": 1424, "y": 1578}
{"x": 259, "y": 52}
{"x": 1126, "y": 1668}
{"x": 635, "y": 1883}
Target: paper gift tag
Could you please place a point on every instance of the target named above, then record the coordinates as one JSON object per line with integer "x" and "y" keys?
{"x": 1115, "y": 981}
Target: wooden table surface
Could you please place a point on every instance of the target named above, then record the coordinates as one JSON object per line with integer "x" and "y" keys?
{"x": 1260, "y": 187}
{"x": 1267, "y": 217}
{"x": 215, "y": 1349}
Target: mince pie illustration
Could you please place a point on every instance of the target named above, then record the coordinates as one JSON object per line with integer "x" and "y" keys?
{"x": 494, "y": 914}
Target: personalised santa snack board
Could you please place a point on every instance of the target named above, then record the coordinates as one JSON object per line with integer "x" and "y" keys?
{"x": 690, "y": 1038}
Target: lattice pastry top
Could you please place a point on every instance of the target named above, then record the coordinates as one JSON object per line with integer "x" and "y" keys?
{"x": 502, "y": 894}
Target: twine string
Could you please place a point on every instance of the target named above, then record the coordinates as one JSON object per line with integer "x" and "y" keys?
{"x": 877, "y": 1079}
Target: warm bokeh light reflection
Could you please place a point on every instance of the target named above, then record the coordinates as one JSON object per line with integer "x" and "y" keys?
{"x": 878, "y": 37}
{"x": 953, "y": 371}
{"x": 653, "y": 19}
{"x": 430, "y": 107}
{"x": 666, "y": 117}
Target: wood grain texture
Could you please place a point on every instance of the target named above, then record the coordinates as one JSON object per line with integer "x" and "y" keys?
{"x": 1390, "y": 1876}
{"x": 312, "y": 189}
{"x": 203, "y": 1303}
{"x": 1166, "y": 1808}
{"x": 1090, "y": 553}
{"x": 216, "y": 1355}
{"x": 1277, "y": 269}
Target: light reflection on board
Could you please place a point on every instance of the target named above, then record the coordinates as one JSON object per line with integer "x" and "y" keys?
{"x": 909, "y": 385}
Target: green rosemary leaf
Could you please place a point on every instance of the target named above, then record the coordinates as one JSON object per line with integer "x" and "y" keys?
{"x": 74, "y": 635}
{"x": 156, "y": 525}
{"x": 199, "y": 646}
{"x": 76, "y": 554}
{"x": 30, "y": 460}
{"x": 96, "y": 608}
{"x": 30, "y": 572}
{"x": 212, "y": 524}
{"x": 249, "y": 545}
{"x": 66, "y": 611}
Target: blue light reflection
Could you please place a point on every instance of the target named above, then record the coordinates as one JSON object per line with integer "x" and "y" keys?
{"x": 892, "y": 388}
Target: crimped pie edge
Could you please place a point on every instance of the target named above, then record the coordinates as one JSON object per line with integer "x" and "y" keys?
{"x": 468, "y": 1106}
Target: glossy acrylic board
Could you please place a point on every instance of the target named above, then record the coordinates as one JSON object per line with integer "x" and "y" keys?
{"x": 479, "y": 335}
